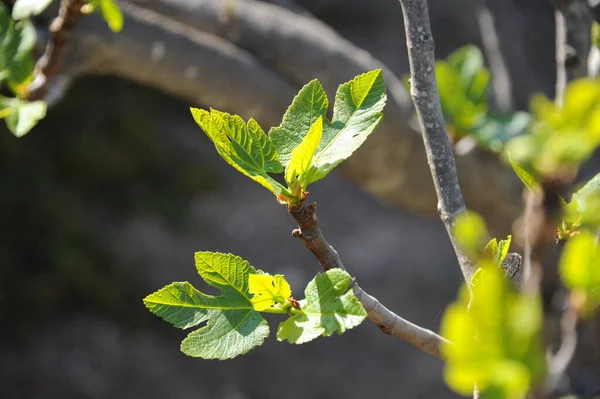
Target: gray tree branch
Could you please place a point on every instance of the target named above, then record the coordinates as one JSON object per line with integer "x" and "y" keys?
{"x": 424, "y": 92}
{"x": 387, "y": 321}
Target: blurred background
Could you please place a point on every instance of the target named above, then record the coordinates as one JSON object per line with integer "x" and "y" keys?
{"x": 110, "y": 196}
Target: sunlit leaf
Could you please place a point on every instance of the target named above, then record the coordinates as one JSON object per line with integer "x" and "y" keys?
{"x": 580, "y": 265}
{"x": 302, "y": 156}
{"x": 356, "y": 114}
{"x": 471, "y": 233}
{"x": 233, "y": 326}
{"x": 496, "y": 343}
{"x": 329, "y": 307}
{"x": 268, "y": 290}
{"x": 244, "y": 146}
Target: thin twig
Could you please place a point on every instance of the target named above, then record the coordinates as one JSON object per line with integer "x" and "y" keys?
{"x": 388, "y": 322}
{"x": 561, "y": 360}
{"x": 60, "y": 30}
{"x": 491, "y": 44}
{"x": 424, "y": 92}
{"x": 573, "y": 19}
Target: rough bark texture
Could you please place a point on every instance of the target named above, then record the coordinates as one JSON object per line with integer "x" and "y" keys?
{"x": 440, "y": 158}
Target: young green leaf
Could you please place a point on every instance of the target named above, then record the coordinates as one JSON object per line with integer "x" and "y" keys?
{"x": 110, "y": 12}
{"x": 596, "y": 33}
{"x": 112, "y": 15}
{"x": 580, "y": 265}
{"x": 503, "y": 248}
{"x": 268, "y": 290}
{"x": 330, "y": 306}
{"x": 16, "y": 62}
{"x": 28, "y": 8}
{"x": 525, "y": 177}
{"x": 303, "y": 155}
{"x": 496, "y": 342}
{"x": 309, "y": 105}
{"x": 491, "y": 248}
{"x": 21, "y": 116}
{"x": 356, "y": 113}
{"x": 233, "y": 325}
{"x": 246, "y": 147}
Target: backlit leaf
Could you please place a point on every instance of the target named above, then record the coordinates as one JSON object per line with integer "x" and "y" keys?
{"x": 329, "y": 307}
{"x": 244, "y": 146}
{"x": 302, "y": 156}
{"x": 496, "y": 343}
{"x": 268, "y": 290}
{"x": 233, "y": 326}
{"x": 580, "y": 265}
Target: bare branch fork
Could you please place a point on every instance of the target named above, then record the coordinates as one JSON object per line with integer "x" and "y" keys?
{"x": 388, "y": 322}
{"x": 424, "y": 92}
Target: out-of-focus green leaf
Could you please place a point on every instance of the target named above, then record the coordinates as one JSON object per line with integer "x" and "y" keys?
{"x": 462, "y": 84}
{"x": 561, "y": 137}
{"x": 471, "y": 233}
{"x": 525, "y": 177}
{"x": 496, "y": 343}
{"x": 495, "y": 130}
{"x": 16, "y": 45}
{"x": 596, "y": 33}
{"x": 110, "y": 12}
{"x": 21, "y": 116}
{"x": 580, "y": 266}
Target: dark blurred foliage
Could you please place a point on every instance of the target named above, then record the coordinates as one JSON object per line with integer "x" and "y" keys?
{"x": 82, "y": 167}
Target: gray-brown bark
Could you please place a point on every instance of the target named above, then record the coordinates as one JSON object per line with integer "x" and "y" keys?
{"x": 424, "y": 93}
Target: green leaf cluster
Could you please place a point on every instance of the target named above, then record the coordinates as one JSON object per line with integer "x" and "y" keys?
{"x": 496, "y": 342}
{"x": 232, "y": 323}
{"x": 110, "y": 12}
{"x": 471, "y": 233}
{"x": 561, "y": 136}
{"x": 497, "y": 250}
{"x": 463, "y": 85}
{"x": 580, "y": 270}
{"x": 17, "y": 40}
{"x": 306, "y": 146}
